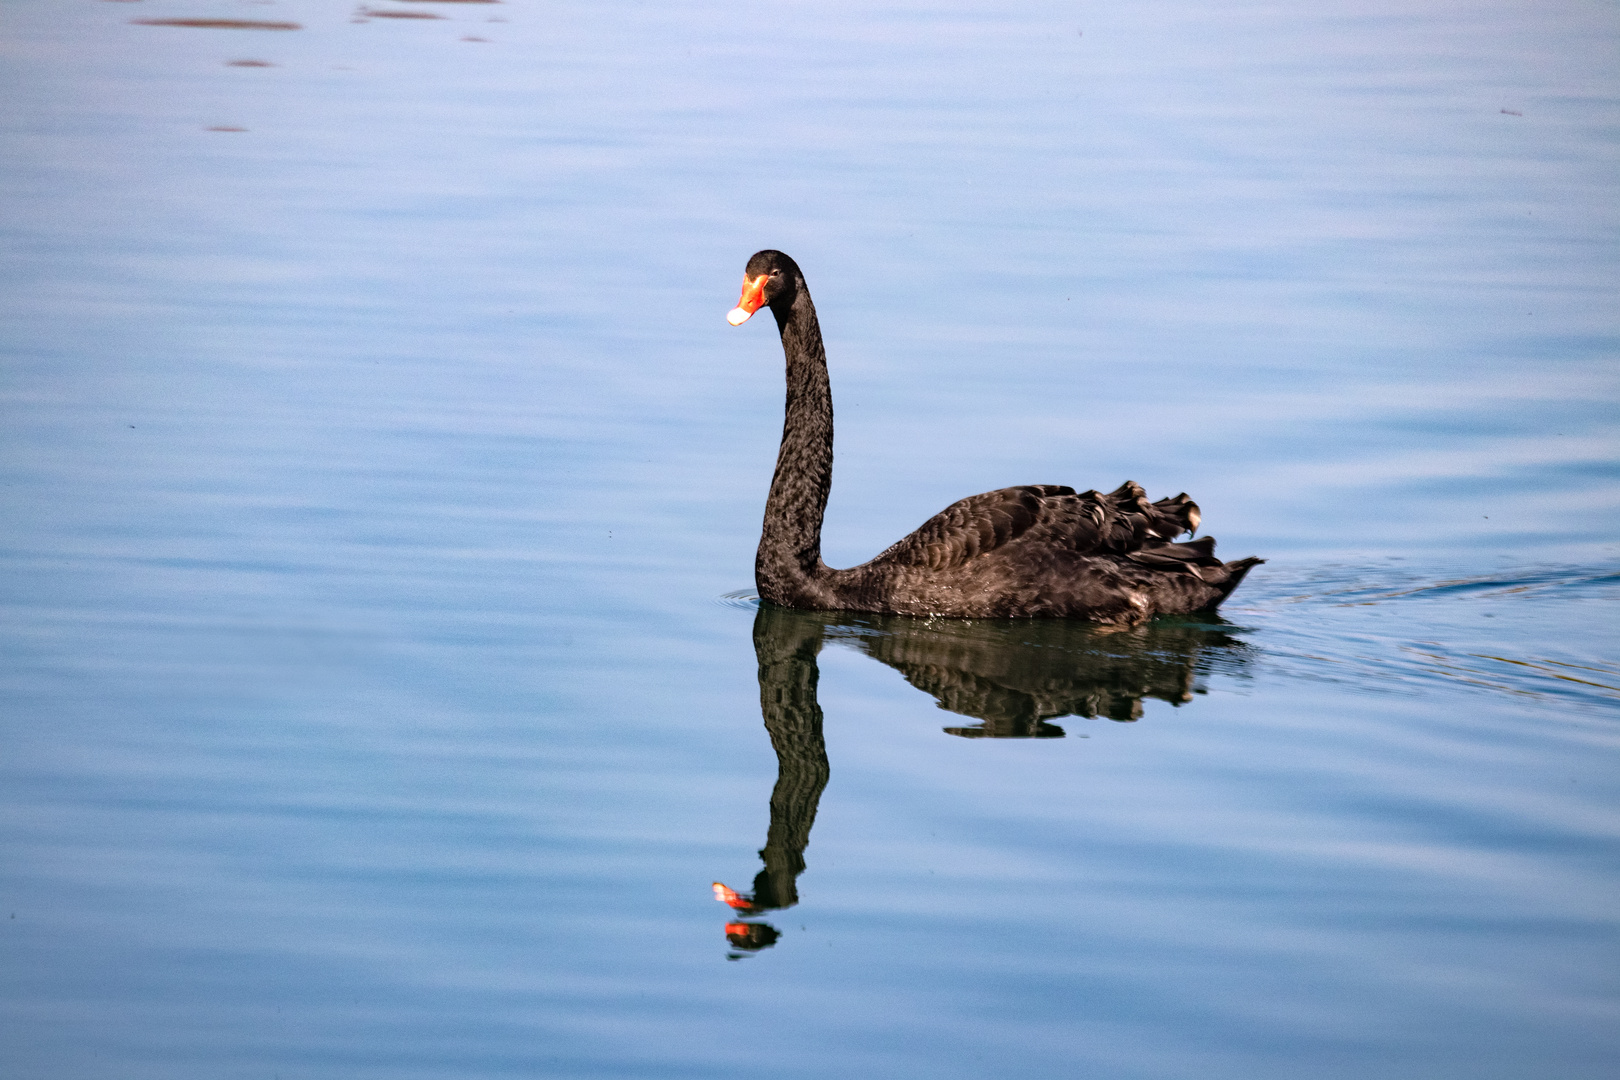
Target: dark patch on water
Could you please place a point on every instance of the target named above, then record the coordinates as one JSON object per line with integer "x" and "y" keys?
{"x": 220, "y": 24}
{"x": 372, "y": 13}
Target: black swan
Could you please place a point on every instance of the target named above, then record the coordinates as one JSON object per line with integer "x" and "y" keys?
{"x": 1036, "y": 550}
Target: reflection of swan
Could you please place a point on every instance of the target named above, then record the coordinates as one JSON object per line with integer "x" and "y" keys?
{"x": 1039, "y": 550}
{"x": 1017, "y": 674}
{"x": 786, "y": 649}
{"x": 1013, "y": 674}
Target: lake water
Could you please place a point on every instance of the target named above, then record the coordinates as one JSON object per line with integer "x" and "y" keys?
{"x": 382, "y": 686}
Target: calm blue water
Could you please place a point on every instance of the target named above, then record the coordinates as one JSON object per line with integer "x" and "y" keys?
{"x": 382, "y": 691}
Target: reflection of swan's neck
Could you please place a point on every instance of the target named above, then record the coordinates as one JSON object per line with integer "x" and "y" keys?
{"x": 788, "y": 564}
{"x": 786, "y": 649}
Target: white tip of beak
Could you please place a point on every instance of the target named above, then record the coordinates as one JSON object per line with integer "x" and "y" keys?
{"x": 737, "y": 316}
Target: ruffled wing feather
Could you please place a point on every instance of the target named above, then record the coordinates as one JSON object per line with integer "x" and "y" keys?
{"x": 1122, "y": 522}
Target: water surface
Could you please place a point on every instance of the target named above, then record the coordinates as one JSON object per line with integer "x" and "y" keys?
{"x": 382, "y": 689}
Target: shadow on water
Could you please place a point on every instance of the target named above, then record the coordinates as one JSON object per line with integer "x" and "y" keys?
{"x": 1011, "y": 675}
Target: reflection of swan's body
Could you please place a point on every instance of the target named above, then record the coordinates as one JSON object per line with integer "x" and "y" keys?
{"x": 1014, "y": 675}
{"x": 1037, "y": 550}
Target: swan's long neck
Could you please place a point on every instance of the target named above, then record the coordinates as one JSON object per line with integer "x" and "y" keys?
{"x": 788, "y": 564}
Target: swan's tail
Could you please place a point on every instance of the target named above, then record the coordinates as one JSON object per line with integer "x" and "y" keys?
{"x": 1236, "y": 571}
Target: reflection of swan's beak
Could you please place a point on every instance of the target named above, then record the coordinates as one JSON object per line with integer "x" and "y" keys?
{"x": 753, "y": 298}
{"x": 731, "y": 896}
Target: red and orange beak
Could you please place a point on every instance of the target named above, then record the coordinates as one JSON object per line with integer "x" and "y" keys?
{"x": 753, "y": 298}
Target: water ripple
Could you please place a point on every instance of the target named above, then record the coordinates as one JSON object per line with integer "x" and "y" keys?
{"x": 1543, "y": 633}
{"x": 1383, "y": 629}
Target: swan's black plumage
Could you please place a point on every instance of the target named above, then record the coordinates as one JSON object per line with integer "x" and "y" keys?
{"x": 1035, "y": 550}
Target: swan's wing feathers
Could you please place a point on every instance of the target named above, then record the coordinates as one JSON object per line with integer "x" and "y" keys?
{"x": 1192, "y": 557}
{"x": 973, "y": 526}
{"x": 1135, "y": 521}
{"x": 1175, "y": 516}
{"x": 1119, "y": 523}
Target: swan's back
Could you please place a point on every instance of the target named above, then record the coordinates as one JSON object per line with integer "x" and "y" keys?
{"x": 1045, "y": 549}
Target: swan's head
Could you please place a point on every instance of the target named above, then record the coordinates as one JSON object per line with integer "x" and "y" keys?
{"x": 769, "y": 277}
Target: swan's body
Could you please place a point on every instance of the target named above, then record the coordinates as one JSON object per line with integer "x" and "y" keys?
{"x": 1037, "y": 550}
